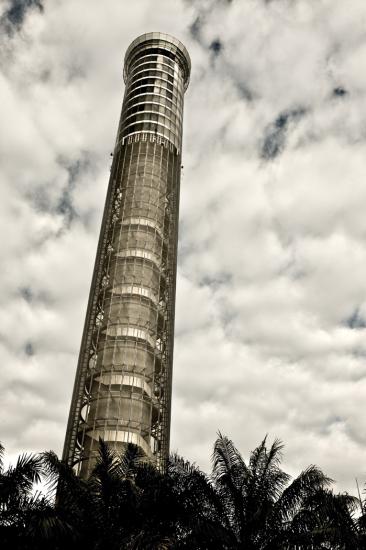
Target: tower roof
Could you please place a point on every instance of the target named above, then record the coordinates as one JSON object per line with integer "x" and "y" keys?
{"x": 163, "y": 41}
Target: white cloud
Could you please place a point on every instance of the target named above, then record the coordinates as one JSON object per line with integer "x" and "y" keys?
{"x": 271, "y": 307}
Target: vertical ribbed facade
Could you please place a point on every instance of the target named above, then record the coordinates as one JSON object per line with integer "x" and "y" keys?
{"x": 122, "y": 390}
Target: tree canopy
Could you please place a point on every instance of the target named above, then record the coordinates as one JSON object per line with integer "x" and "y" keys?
{"x": 127, "y": 503}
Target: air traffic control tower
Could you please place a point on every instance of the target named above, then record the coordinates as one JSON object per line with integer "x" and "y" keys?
{"x": 122, "y": 390}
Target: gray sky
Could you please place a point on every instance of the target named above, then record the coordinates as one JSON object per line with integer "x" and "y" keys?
{"x": 271, "y": 291}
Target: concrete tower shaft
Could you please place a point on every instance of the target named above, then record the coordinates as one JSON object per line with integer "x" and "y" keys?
{"x": 122, "y": 391}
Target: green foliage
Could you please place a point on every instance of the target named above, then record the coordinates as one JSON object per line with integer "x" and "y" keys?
{"x": 127, "y": 504}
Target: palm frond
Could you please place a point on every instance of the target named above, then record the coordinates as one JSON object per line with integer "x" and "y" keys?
{"x": 308, "y": 483}
{"x": 268, "y": 477}
{"x": 257, "y": 457}
{"x": 196, "y": 488}
{"x": 29, "y": 467}
{"x": 107, "y": 462}
{"x": 274, "y": 456}
{"x": 130, "y": 459}
{"x": 17, "y": 482}
{"x": 226, "y": 460}
{"x": 44, "y": 523}
{"x": 59, "y": 475}
{"x": 230, "y": 476}
{"x": 336, "y": 512}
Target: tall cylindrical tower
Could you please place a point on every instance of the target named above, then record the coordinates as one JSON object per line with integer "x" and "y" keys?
{"x": 122, "y": 390}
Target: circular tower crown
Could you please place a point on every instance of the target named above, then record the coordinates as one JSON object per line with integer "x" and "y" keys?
{"x": 171, "y": 47}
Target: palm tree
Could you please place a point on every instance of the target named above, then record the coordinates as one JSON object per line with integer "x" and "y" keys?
{"x": 255, "y": 507}
{"x": 17, "y": 501}
{"x": 125, "y": 504}
{"x": 361, "y": 523}
{"x": 128, "y": 504}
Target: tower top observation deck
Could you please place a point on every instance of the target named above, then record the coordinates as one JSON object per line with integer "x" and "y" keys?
{"x": 158, "y": 42}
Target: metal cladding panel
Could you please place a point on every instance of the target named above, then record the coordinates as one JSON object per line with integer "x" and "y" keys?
{"x": 122, "y": 391}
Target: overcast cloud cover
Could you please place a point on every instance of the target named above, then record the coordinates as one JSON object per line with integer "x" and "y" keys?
{"x": 271, "y": 293}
